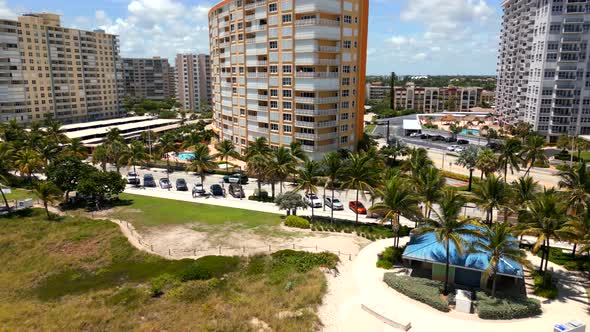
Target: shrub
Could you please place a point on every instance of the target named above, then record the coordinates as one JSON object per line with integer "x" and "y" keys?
{"x": 195, "y": 290}
{"x": 370, "y": 231}
{"x": 389, "y": 257}
{"x": 506, "y": 308}
{"x": 162, "y": 283}
{"x": 423, "y": 290}
{"x": 304, "y": 261}
{"x": 263, "y": 199}
{"x": 544, "y": 287}
{"x": 297, "y": 222}
{"x": 210, "y": 267}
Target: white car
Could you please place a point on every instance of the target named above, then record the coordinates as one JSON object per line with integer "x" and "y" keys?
{"x": 334, "y": 204}
{"x": 452, "y": 147}
{"x": 312, "y": 200}
{"x": 459, "y": 149}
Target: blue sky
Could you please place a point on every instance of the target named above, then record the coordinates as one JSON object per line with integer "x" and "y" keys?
{"x": 405, "y": 36}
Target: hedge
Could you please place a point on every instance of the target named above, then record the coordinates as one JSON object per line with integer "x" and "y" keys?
{"x": 371, "y": 231}
{"x": 390, "y": 256}
{"x": 297, "y": 222}
{"x": 506, "y": 308}
{"x": 420, "y": 289}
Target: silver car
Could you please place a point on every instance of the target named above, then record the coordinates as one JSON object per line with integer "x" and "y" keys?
{"x": 333, "y": 204}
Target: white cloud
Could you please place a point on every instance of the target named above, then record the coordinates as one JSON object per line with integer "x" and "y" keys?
{"x": 5, "y": 11}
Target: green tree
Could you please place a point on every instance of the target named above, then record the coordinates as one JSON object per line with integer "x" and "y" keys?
{"x": 487, "y": 162}
{"x": 4, "y": 182}
{"x": 100, "y": 155}
{"x": 522, "y": 130}
{"x": 54, "y": 132}
{"x": 359, "y": 174}
{"x": 297, "y": 152}
{"x": 101, "y": 186}
{"x": 226, "y": 149}
{"x": 510, "y": 157}
{"x": 417, "y": 160}
{"x": 48, "y": 193}
{"x": 564, "y": 142}
{"x": 66, "y": 173}
{"x": 468, "y": 159}
{"x": 307, "y": 179}
{"x": 6, "y": 157}
{"x": 76, "y": 148}
{"x": 134, "y": 155}
{"x": 576, "y": 180}
{"x": 429, "y": 185}
{"x": 202, "y": 161}
{"x": 116, "y": 150}
{"x": 290, "y": 201}
{"x": 448, "y": 227}
{"x": 498, "y": 243}
{"x": 167, "y": 145}
{"x": 27, "y": 162}
{"x": 492, "y": 194}
{"x": 282, "y": 164}
{"x": 533, "y": 151}
{"x": 398, "y": 199}
{"x": 332, "y": 170}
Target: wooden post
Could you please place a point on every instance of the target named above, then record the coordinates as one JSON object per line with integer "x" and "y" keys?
{"x": 169, "y": 252}
{"x": 316, "y": 247}
{"x": 151, "y": 247}
{"x": 349, "y": 257}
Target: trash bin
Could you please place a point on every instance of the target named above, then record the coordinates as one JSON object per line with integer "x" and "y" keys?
{"x": 463, "y": 301}
{"x": 571, "y": 326}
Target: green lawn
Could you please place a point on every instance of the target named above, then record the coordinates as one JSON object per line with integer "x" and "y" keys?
{"x": 149, "y": 211}
{"x": 369, "y": 128}
{"x": 82, "y": 274}
{"x": 585, "y": 155}
{"x": 19, "y": 194}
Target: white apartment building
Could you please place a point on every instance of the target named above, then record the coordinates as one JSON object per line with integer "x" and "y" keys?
{"x": 543, "y": 71}
{"x": 193, "y": 80}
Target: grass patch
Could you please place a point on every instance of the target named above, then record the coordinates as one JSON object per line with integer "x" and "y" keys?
{"x": 585, "y": 155}
{"x": 369, "y": 128}
{"x": 80, "y": 273}
{"x": 19, "y": 195}
{"x": 544, "y": 287}
{"x": 150, "y": 211}
{"x": 424, "y": 290}
{"x": 371, "y": 231}
{"x": 569, "y": 262}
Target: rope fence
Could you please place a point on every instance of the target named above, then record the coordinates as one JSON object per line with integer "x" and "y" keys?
{"x": 226, "y": 250}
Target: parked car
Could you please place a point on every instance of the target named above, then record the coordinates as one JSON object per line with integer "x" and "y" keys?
{"x": 333, "y": 204}
{"x": 415, "y": 135}
{"x": 199, "y": 190}
{"x": 148, "y": 181}
{"x": 181, "y": 185}
{"x": 437, "y": 138}
{"x": 452, "y": 147}
{"x": 463, "y": 142}
{"x": 132, "y": 178}
{"x": 165, "y": 183}
{"x": 217, "y": 190}
{"x": 494, "y": 146}
{"x": 450, "y": 139}
{"x": 236, "y": 191}
{"x": 357, "y": 207}
{"x": 424, "y": 136}
{"x": 236, "y": 178}
{"x": 312, "y": 200}
{"x": 459, "y": 149}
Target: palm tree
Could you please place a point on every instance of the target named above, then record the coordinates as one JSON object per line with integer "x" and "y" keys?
{"x": 487, "y": 162}
{"x": 149, "y": 137}
{"x": 166, "y": 145}
{"x": 576, "y": 180}
{"x": 202, "y": 161}
{"x": 429, "y": 185}
{"x": 134, "y": 155}
{"x": 448, "y": 227}
{"x": 499, "y": 244}
{"x": 545, "y": 218}
{"x": 100, "y": 155}
{"x": 307, "y": 178}
{"x": 525, "y": 189}
{"x": 510, "y": 156}
{"x": 282, "y": 164}
{"x": 77, "y": 149}
{"x": 332, "y": 170}
{"x": 258, "y": 147}
{"x": 578, "y": 232}
{"x": 114, "y": 135}
{"x": 417, "y": 160}
{"x": 54, "y": 132}
{"x": 115, "y": 150}
{"x": 492, "y": 194}
{"x": 392, "y": 151}
{"x": 297, "y": 152}
{"x": 468, "y": 159}
{"x": 6, "y": 157}
{"x": 28, "y": 161}
{"x": 359, "y": 175}
{"x": 257, "y": 155}
{"x": 398, "y": 198}
{"x": 533, "y": 151}
{"x": 48, "y": 192}
{"x": 226, "y": 149}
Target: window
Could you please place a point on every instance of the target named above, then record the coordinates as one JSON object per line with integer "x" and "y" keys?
{"x": 287, "y": 81}
{"x": 347, "y": 19}
{"x": 287, "y": 105}
{"x": 287, "y": 117}
{"x": 274, "y": 126}
{"x": 274, "y": 92}
{"x": 274, "y": 104}
{"x": 345, "y": 93}
{"x": 344, "y": 139}
{"x": 273, "y": 7}
{"x": 346, "y": 81}
{"x": 287, "y": 93}
{"x": 273, "y": 69}
{"x": 287, "y": 129}
{"x": 344, "y": 127}
{"x": 344, "y": 116}
{"x": 287, "y": 69}
{"x": 346, "y": 44}
{"x": 274, "y": 45}
{"x": 346, "y": 69}
{"x": 345, "y": 105}
{"x": 287, "y": 18}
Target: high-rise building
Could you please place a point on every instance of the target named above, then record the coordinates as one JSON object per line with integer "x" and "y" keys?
{"x": 543, "y": 71}
{"x": 193, "y": 80}
{"x": 289, "y": 71}
{"x": 47, "y": 70}
{"x": 148, "y": 78}
{"x": 433, "y": 99}
{"x": 377, "y": 90}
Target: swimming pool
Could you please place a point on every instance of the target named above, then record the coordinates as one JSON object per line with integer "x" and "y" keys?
{"x": 472, "y": 132}
{"x": 186, "y": 156}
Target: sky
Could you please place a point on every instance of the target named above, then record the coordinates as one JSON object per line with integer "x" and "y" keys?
{"x": 420, "y": 37}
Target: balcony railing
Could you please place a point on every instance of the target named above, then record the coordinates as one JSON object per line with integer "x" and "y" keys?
{"x": 316, "y": 112}
{"x": 317, "y": 21}
{"x": 315, "y": 75}
{"x": 319, "y": 100}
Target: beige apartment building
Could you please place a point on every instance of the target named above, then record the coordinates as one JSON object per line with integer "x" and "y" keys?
{"x": 148, "y": 78}
{"x": 290, "y": 70}
{"x": 377, "y": 90}
{"x": 193, "y": 80}
{"x": 47, "y": 70}
{"x": 433, "y": 100}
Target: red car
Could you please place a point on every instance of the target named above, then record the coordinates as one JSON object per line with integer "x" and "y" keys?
{"x": 357, "y": 207}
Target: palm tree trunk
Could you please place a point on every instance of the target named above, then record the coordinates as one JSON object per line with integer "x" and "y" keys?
{"x": 506, "y": 173}
{"x": 332, "y": 209}
{"x": 272, "y": 187}
{"x": 4, "y": 199}
{"x": 470, "y": 179}
{"x": 312, "y": 213}
{"x": 324, "y": 197}
{"x": 548, "y": 248}
{"x": 542, "y": 257}
{"x": 259, "y": 187}
{"x": 46, "y": 209}
{"x": 574, "y": 250}
{"x": 281, "y": 186}
{"x": 357, "y": 211}
{"x": 446, "y": 290}
{"x": 494, "y": 285}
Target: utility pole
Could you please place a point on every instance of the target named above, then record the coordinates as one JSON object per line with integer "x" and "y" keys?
{"x": 392, "y": 93}
{"x": 387, "y": 132}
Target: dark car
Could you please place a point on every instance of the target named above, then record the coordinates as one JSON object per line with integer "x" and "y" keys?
{"x": 236, "y": 178}
{"x": 424, "y": 136}
{"x": 181, "y": 185}
{"x": 450, "y": 139}
{"x": 437, "y": 138}
{"x": 165, "y": 183}
{"x": 148, "y": 181}
{"x": 463, "y": 142}
{"x": 217, "y": 190}
{"x": 236, "y": 190}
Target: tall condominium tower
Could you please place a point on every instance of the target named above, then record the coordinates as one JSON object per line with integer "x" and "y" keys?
{"x": 193, "y": 80}
{"x": 543, "y": 71}
{"x": 289, "y": 71}
{"x": 47, "y": 70}
{"x": 148, "y": 78}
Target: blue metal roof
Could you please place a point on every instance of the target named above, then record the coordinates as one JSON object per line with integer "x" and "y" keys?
{"x": 426, "y": 248}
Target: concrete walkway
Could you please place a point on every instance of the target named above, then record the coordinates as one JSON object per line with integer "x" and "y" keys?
{"x": 361, "y": 282}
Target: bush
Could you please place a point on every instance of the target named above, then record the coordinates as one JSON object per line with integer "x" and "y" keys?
{"x": 264, "y": 198}
{"x": 423, "y": 290}
{"x": 304, "y": 261}
{"x": 210, "y": 267}
{"x": 544, "y": 287}
{"x": 195, "y": 290}
{"x": 161, "y": 284}
{"x": 389, "y": 257}
{"x": 506, "y": 308}
{"x": 297, "y": 222}
{"x": 567, "y": 260}
{"x": 372, "y": 231}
